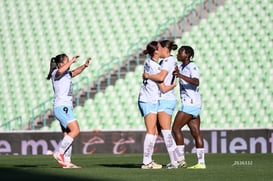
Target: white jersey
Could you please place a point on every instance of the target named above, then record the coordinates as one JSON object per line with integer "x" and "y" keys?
{"x": 169, "y": 65}
{"x": 189, "y": 93}
{"x": 149, "y": 91}
{"x": 63, "y": 89}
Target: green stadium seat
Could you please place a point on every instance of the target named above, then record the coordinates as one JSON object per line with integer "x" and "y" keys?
{"x": 35, "y": 37}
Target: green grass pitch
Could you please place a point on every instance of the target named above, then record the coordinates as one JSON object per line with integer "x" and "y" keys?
{"x": 126, "y": 167}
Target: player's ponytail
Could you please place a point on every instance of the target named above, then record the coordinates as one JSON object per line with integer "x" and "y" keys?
{"x": 53, "y": 65}
{"x": 151, "y": 48}
{"x": 145, "y": 52}
{"x": 174, "y": 46}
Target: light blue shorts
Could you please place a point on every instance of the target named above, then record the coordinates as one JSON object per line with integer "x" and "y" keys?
{"x": 167, "y": 106}
{"x": 194, "y": 111}
{"x": 146, "y": 108}
{"x": 64, "y": 114}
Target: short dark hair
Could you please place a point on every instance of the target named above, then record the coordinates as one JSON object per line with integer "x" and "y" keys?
{"x": 188, "y": 49}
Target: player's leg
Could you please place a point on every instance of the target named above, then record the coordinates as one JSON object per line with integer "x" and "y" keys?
{"x": 166, "y": 109}
{"x": 165, "y": 122}
{"x": 67, "y": 159}
{"x": 72, "y": 134}
{"x": 70, "y": 129}
{"x": 149, "y": 112}
{"x": 149, "y": 142}
{"x": 74, "y": 129}
{"x": 181, "y": 119}
{"x": 194, "y": 126}
{"x": 67, "y": 155}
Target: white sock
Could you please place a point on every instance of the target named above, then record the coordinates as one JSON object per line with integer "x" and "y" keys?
{"x": 170, "y": 145}
{"x": 200, "y": 152}
{"x": 66, "y": 142}
{"x": 67, "y": 155}
{"x": 180, "y": 152}
{"x": 148, "y": 148}
{"x": 154, "y": 141}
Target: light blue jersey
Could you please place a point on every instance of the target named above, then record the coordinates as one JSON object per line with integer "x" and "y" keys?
{"x": 149, "y": 91}
{"x": 189, "y": 94}
{"x": 169, "y": 65}
{"x": 63, "y": 89}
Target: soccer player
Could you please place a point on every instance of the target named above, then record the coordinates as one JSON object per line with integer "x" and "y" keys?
{"x": 189, "y": 112}
{"x": 167, "y": 100}
{"x": 148, "y": 103}
{"x": 61, "y": 78}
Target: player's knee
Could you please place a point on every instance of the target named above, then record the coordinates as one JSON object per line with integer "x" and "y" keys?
{"x": 76, "y": 132}
{"x": 195, "y": 133}
{"x": 199, "y": 143}
{"x": 175, "y": 130}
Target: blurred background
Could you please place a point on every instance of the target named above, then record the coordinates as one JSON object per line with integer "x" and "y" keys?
{"x": 233, "y": 50}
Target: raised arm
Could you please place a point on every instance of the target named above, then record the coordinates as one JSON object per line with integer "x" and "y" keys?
{"x": 66, "y": 66}
{"x": 79, "y": 69}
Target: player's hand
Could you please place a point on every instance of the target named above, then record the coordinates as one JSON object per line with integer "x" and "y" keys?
{"x": 145, "y": 75}
{"x": 87, "y": 62}
{"x": 176, "y": 71}
{"x": 74, "y": 58}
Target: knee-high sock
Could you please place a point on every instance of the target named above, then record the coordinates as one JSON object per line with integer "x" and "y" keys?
{"x": 200, "y": 152}
{"x": 148, "y": 148}
{"x": 170, "y": 144}
{"x": 66, "y": 142}
{"x": 180, "y": 153}
{"x": 67, "y": 155}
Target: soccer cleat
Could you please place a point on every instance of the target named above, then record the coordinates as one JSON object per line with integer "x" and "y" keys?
{"x": 182, "y": 164}
{"x": 71, "y": 165}
{"x": 172, "y": 166}
{"x": 198, "y": 166}
{"x": 152, "y": 165}
{"x": 60, "y": 158}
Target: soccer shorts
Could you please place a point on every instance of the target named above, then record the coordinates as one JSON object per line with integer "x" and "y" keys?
{"x": 194, "y": 111}
{"x": 167, "y": 106}
{"x": 147, "y": 108}
{"x": 64, "y": 114}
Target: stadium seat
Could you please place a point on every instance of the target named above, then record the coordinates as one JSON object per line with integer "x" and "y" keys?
{"x": 237, "y": 33}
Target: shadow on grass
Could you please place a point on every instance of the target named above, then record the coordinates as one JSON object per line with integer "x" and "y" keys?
{"x": 20, "y": 174}
{"x": 128, "y": 165}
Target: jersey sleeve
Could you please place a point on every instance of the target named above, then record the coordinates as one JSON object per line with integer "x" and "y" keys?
{"x": 165, "y": 65}
{"x": 194, "y": 71}
{"x": 168, "y": 64}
